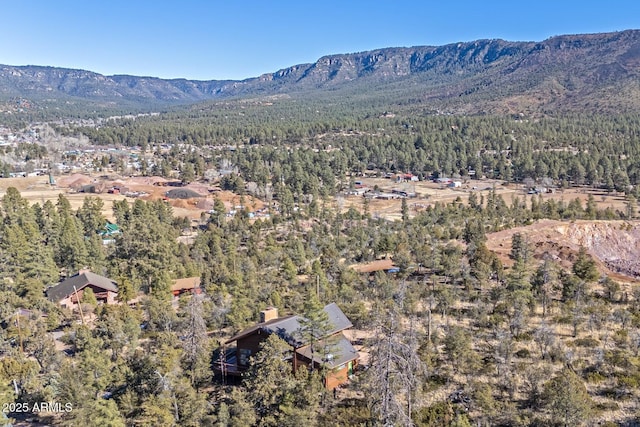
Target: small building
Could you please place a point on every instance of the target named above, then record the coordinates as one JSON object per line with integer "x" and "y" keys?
{"x": 387, "y": 196}
{"x": 539, "y": 190}
{"x": 187, "y": 285}
{"x": 357, "y": 191}
{"x": 69, "y": 292}
{"x": 442, "y": 180}
{"x": 403, "y": 193}
{"x": 402, "y": 177}
{"x": 110, "y": 230}
{"x": 385, "y": 264}
{"x": 340, "y": 358}
{"x": 88, "y": 188}
{"x": 109, "y": 233}
{"x": 454, "y": 184}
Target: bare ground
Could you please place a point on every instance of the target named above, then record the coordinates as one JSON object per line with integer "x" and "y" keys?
{"x": 615, "y": 245}
{"x": 428, "y": 193}
{"x": 38, "y": 190}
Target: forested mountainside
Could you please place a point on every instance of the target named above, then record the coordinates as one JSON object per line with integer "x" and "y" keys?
{"x": 585, "y": 73}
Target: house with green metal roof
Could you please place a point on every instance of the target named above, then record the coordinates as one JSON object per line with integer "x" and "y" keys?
{"x": 109, "y": 232}
{"x": 110, "y": 229}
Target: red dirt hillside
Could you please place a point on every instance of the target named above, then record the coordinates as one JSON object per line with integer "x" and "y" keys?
{"x": 614, "y": 244}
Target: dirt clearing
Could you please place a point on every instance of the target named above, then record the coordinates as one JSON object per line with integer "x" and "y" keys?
{"x": 615, "y": 245}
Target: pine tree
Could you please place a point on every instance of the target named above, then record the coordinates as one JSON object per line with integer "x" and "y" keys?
{"x": 404, "y": 210}
{"x": 242, "y": 412}
{"x": 102, "y": 412}
{"x": 73, "y": 254}
{"x": 195, "y": 342}
{"x": 90, "y": 215}
{"x": 584, "y": 266}
{"x": 314, "y": 327}
{"x": 395, "y": 370}
{"x": 270, "y": 379}
{"x": 566, "y": 397}
{"x": 520, "y": 249}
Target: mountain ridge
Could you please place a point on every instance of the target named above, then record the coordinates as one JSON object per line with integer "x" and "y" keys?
{"x": 600, "y": 71}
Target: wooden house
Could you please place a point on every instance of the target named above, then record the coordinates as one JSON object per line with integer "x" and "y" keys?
{"x": 69, "y": 292}
{"x": 385, "y": 264}
{"x": 332, "y": 351}
{"x": 186, "y": 285}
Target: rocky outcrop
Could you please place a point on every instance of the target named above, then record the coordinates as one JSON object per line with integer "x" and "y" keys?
{"x": 614, "y": 244}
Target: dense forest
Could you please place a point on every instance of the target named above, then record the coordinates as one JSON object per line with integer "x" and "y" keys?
{"x": 453, "y": 315}
{"x": 454, "y": 337}
{"x": 311, "y": 147}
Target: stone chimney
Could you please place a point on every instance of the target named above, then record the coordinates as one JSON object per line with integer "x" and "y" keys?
{"x": 268, "y": 313}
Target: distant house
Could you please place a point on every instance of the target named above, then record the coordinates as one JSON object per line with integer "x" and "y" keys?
{"x": 454, "y": 184}
{"x": 358, "y": 191}
{"x": 339, "y": 362}
{"x": 387, "y": 196}
{"x": 377, "y": 265}
{"x": 186, "y": 285}
{"x": 70, "y": 291}
{"x": 88, "y": 188}
{"x": 403, "y": 193}
{"x": 402, "y": 177}
{"x": 109, "y": 232}
{"x": 443, "y": 180}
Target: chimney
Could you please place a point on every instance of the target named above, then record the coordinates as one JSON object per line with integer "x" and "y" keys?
{"x": 268, "y": 313}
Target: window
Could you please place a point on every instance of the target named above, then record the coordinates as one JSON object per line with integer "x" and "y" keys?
{"x": 245, "y": 353}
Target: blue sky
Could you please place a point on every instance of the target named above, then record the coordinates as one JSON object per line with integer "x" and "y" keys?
{"x": 211, "y": 39}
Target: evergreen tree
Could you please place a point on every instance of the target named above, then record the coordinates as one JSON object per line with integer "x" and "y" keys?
{"x": 72, "y": 251}
{"x": 566, "y": 397}
{"x": 314, "y": 327}
{"x": 90, "y": 215}
{"x": 520, "y": 250}
{"x": 195, "y": 342}
{"x": 584, "y": 266}
{"x": 270, "y": 380}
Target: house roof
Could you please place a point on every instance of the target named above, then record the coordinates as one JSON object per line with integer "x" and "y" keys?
{"x": 110, "y": 229}
{"x": 337, "y": 318}
{"x": 288, "y": 328}
{"x": 339, "y": 352}
{"x": 80, "y": 281}
{"x": 185, "y": 284}
{"x": 370, "y": 267}
{"x": 281, "y": 323}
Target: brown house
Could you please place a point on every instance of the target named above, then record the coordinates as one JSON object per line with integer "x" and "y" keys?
{"x": 69, "y": 292}
{"x": 186, "y": 285}
{"x": 333, "y": 351}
